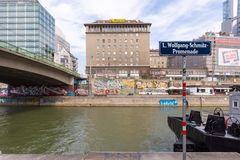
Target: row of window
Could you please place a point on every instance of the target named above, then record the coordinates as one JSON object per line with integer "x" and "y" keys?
{"x": 119, "y": 40}
{"x": 15, "y": 37}
{"x": 119, "y": 35}
{"x": 131, "y": 72}
{"x": 19, "y": 7}
{"x": 20, "y": 20}
{"x": 119, "y": 46}
{"x": 136, "y": 64}
{"x": 118, "y": 29}
{"x": 118, "y": 59}
{"x": 188, "y": 72}
{"x": 120, "y": 53}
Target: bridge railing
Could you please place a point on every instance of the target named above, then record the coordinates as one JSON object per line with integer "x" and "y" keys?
{"x": 35, "y": 57}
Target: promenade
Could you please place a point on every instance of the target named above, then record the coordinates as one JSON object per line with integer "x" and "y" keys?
{"x": 127, "y": 156}
{"x": 111, "y": 101}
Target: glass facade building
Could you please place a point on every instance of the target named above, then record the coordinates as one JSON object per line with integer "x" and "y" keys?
{"x": 231, "y": 9}
{"x": 26, "y": 24}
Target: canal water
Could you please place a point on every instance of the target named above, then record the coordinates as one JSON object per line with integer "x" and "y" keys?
{"x": 69, "y": 130}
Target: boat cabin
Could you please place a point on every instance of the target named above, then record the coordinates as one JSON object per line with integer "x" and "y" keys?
{"x": 234, "y": 102}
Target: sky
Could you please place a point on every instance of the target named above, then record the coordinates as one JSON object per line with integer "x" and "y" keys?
{"x": 173, "y": 20}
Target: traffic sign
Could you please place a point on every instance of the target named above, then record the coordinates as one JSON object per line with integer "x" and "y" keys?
{"x": 185, "y": 48}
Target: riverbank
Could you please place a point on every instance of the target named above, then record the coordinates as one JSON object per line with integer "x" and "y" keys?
{"x": 111, "y": 101}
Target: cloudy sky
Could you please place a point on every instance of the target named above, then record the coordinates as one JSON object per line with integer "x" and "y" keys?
{"x": 171, "y": 19}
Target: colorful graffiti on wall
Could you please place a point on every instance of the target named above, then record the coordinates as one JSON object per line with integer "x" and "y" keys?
{"x": 113, "y": 86}
{"x": 37, "y": 91}
{"x": 142, "y": 84}
{"x": 151, "y": 86}
{"x": 3, "y": 92}
{"x": 82, "y": 90}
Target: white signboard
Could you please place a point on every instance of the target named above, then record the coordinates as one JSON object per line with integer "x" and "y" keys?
{"x": 229, "y": 57}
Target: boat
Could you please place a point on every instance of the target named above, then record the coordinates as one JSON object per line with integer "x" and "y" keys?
{"x": 217, "y": 134}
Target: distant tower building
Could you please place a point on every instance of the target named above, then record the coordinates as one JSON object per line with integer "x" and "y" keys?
{"x": 231, "y": 13}
{"x": 26, "y": 24}
{"x": 63, "y": 55}
{"x": 118, "y": 47}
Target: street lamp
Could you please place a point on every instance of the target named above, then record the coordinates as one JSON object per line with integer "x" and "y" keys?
{"x": 90, "y": 78}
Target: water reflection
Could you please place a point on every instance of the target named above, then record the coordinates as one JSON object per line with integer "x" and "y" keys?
{"x": 75, "y": 130}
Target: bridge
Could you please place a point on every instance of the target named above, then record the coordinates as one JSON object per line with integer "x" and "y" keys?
{"x": 21, "y": 67}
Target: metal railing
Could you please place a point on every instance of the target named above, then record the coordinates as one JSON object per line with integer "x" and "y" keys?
{"x": 35, "y": 57}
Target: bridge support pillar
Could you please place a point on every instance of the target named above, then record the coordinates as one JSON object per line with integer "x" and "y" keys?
{"x": 71, "y": 90}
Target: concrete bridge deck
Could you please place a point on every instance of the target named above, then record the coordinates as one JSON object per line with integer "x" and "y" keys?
{"x": 127, "y": 156}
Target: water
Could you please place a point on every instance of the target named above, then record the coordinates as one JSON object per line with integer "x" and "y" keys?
{"x": 71, "y": 130}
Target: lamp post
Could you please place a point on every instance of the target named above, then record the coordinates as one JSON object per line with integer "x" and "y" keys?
{"x": 90, "y": 78}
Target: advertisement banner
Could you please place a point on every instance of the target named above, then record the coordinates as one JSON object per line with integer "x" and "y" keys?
{"x": 228, "y": 57}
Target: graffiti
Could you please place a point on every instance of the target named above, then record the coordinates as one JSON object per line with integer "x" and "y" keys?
{"x": 81, "y": 92}
{"x": 151, "y": 84}
{"x": 3, "y": 92}
{"x": 113, "y": 87}
{"x": 37, "y": 91}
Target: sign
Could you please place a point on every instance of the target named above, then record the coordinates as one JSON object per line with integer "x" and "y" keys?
{"x": 229, "y": 57}
{"x": 118, "y": 20}
{"x": 168, "y": 102}
{"x": 185, "y": 48}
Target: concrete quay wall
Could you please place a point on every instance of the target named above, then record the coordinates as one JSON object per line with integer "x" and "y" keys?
{"x": 111, "y": 101}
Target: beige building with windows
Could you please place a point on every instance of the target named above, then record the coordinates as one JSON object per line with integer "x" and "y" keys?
{"x": 158, "y": 64}
{"x": 118, "y": 47}
{"x": 157, "y": 61}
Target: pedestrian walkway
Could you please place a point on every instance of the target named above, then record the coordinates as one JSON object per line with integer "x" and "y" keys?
{"x": 127, "y": 156}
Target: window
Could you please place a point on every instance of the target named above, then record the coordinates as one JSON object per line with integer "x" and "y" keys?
{"x": 114, "y": 53}
{"x": 125, "y": 40}
{"x": 109, "y": 40}
{"x": 235, "y": 104}
{"x": 126, "y": 53}
{"x": 136, "y": 34}
{"x": 137, "y": 40}
{"x": 115, "y": 41}
{"x": 103, "y": 40}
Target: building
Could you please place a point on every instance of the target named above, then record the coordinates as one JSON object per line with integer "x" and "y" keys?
{"x": 118, "y": 47}
{"x": 224, "y": 62}
{"x": 157, "y": 61}
{"x": 63, "y": 55}
{"x": 231, "y": 13}
{"x": 28, "y": 25}
{"x": 158, "y": 64}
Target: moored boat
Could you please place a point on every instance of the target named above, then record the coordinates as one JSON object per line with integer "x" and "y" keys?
{"x": 218, "y": 134}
